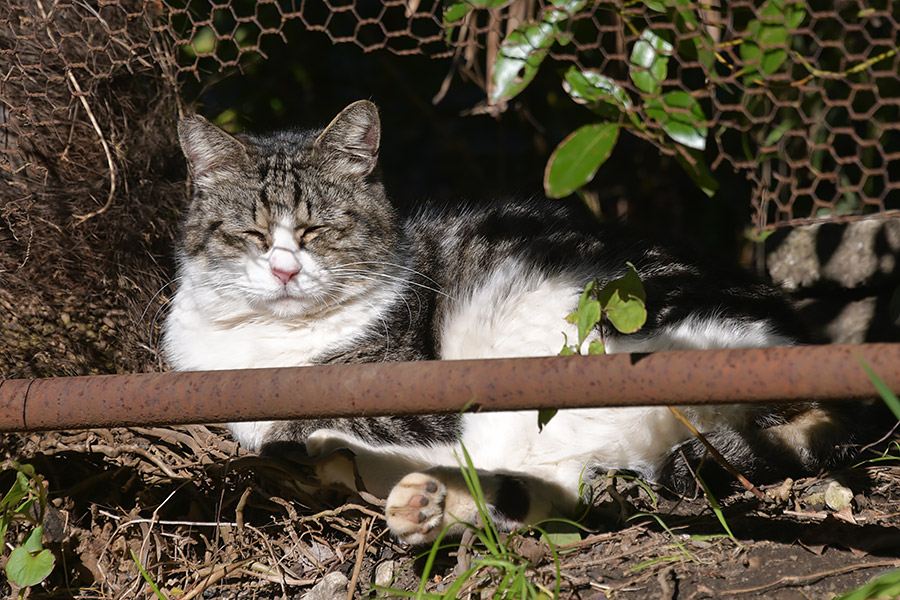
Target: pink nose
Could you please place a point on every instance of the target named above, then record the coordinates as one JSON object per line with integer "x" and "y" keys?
{"x": 284, "y": 274}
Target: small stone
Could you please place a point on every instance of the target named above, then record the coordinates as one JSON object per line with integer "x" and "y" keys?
{"x": 838, "y": 497}
{"x": 384, "y": 573}
{"x": 332, "y": 587}
{"x": 783, "y": 492}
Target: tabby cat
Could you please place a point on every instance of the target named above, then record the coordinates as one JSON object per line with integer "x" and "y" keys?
{"x": 292, "y": 254}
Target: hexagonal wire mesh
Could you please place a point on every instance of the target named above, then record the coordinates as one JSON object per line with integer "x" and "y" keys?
{"x": 803, "y": 98}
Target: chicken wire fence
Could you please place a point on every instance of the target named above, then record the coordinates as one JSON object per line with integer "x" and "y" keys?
{"x": 803, "y": 98}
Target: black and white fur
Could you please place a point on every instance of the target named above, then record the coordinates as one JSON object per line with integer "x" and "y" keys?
{"x": 292, "y": 254}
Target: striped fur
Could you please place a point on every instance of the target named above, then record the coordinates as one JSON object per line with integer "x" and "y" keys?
{"x": 292, "y": 254}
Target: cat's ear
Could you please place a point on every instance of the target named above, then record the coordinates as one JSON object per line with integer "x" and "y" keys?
{"x": 350, "y": 142}
{"x": 210, "y": 152}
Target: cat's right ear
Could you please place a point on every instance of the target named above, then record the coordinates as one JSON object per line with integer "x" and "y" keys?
{"x": 211, "y": 153}
{"x": 350, "y": 143}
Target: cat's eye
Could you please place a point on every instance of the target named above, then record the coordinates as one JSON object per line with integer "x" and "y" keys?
{"x": 310, "y": 233}
{"x": 258, "y": 238}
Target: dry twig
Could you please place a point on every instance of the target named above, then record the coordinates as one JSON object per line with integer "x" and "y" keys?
{"x": 364, "y": 530}
{"x": 795, "y": 580}
{"x": 719, "y": 458}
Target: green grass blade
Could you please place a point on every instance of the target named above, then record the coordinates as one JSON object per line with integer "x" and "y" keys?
{"x": 429, "y": 564}
{"x": 653, "y": 499}
{"x": 716, "y": 509}
{"x": 669, "y": 531}
{"x": 470, "y": 475}
{"x": 459, "y": 582}
{"x": 889, "y": 397}
{"x": 656, "y": 561}
{"x": 147, "y": 577}
{"x": 884, "y": 586}
{"x": 395, "y": 593}
{"x": 555, "y": 555}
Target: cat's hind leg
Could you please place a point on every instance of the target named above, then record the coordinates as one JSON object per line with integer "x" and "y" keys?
{"x": 797, "y": 440}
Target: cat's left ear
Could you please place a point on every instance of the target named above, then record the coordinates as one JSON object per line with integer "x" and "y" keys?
{"x": 350, "y": 142}
{"x": 211, "y": 153}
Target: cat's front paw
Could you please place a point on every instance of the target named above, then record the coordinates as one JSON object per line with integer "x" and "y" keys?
{"x": 415, "y": 508}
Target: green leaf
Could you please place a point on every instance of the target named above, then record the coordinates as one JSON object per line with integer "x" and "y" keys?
{"x": 623, "y": 301}
{"x": 566, "y": 351}
{"x": 626, "y": 315}
{"x": 455, "y": 13}
{"x": 656, "y": 5}
{"x": 560, "y": 532}
{"x": 203, "y": 42}
{"x": 794, "y": 14}
{"x": 649, "y": 62}
{"x": 589, "y": 291}
{"x": 600, "y": 93}
{"x": 685, "y": 10}
{"x": 33, "y": 542}
{"x": 588, "y": 317}
{"x": 765, "y": 43}
{"x": 18, "y": 491}
{"x": 698, "y": 171}
{"x": 577, "y": 158}
{"x": 544, "y": 416}
{"x": 778, "y": 132}
{"x": 518, "y": 60}
{"x": 30, "y": 563}
{"x": 596, "y": 347}
{"x": 682, "y": 118}
{"x": 525, "y": 48}
{"x": 757, "y": 237}
{"x": 628, "y": 285}
{"x": 487, "y": 3}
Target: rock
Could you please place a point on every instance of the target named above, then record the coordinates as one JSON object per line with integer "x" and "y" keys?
{"x": 332, "y": 587}
{"x": 384, "y": 573}
{"x": 783, "y": 492}
{"x": 852, "y": 255}
{"x": 847, "y": 277}
{"x": 838, "y": 497}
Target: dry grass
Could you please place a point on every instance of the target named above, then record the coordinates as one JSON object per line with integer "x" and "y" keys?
{"x": 207, "y": 521}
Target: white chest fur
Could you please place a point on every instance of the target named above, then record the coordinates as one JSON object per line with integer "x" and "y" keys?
{"x": 199, "y": 336}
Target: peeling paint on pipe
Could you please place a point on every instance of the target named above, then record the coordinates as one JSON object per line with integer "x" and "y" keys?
{"x": 679, "y": 377}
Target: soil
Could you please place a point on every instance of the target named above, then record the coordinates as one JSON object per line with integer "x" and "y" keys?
{"x": 207, "y": 520}
{"x": 84, "y": 275}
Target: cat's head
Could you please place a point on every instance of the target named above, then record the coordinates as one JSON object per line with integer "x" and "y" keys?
{"x": 291, "y": 222}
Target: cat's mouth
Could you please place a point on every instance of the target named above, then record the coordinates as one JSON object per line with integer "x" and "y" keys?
{"x": 287, "y": 301}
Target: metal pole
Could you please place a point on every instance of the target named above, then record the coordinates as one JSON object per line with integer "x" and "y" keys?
{"x": 679, "y": 377}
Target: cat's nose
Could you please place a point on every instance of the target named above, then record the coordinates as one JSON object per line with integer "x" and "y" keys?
{"x": 284, "y": 274}
{"x": 283, "y": 264}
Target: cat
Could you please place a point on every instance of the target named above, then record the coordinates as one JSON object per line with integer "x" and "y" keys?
{"x": 292, "y": 254}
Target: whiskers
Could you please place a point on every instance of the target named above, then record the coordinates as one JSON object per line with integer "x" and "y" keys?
{"x": 343, "y": 271}
{"x": 154, "y": 329}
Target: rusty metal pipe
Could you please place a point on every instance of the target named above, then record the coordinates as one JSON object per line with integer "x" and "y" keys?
{"x": 677, "y": 377}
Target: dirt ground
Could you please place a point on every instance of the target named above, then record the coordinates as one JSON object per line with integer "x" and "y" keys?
{"x": 207, "y": 520}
